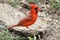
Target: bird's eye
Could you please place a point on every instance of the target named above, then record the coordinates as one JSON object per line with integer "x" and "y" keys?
{"x": 36, "y": 8}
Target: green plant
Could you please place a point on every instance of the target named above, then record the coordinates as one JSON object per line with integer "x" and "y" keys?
{"x": 6, "y": 35}
{"x": 55, "y": 4}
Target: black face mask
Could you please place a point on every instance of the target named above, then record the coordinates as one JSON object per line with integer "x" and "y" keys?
{"x": 36, "y": 9}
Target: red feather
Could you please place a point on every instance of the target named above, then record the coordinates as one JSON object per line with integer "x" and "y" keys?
{"x": 30, "y": 19}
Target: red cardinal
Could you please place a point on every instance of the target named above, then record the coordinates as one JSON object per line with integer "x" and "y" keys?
{"x": 30, "y": 19}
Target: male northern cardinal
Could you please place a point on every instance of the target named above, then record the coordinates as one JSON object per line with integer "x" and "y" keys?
{"x": 31, "y": 18}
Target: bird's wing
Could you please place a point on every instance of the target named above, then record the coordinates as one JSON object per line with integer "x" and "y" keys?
{"x": 25, "y": 20}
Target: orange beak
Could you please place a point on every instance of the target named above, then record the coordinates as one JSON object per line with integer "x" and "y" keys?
{"x": 39, "y": 9}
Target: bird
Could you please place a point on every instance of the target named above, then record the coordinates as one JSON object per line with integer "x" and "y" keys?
{"x": 30, "y": 19}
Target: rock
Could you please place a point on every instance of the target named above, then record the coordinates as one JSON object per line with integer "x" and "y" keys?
{"x": 46, "y": 26}
{"x": 9, "y": 15}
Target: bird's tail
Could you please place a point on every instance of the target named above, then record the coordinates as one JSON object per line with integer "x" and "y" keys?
{"x": 12, "y": 26}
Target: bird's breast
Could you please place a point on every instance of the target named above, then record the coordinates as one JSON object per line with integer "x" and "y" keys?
{"x": 34, "y": 17}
